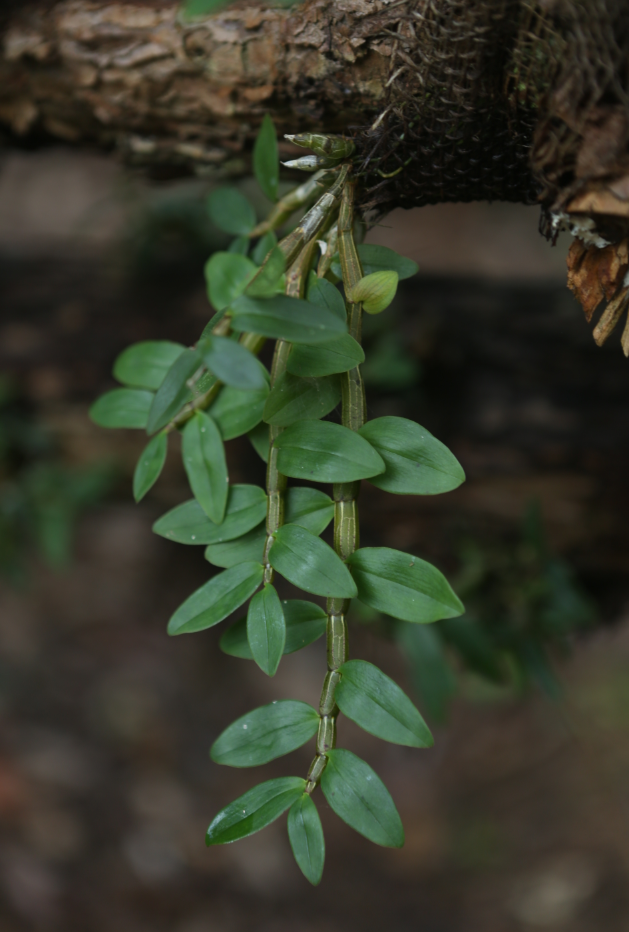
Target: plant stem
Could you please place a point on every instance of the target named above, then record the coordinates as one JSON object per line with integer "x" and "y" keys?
{"x": 345, "y": 494}
{"x": 302, "y": 237}
{"x": 275, "y": 481}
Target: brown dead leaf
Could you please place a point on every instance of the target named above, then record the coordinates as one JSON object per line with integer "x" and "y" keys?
{"x": 596, "y": 274}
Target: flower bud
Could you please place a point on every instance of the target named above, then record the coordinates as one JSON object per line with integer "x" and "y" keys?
{"x": 310, "y": 163}
{"x": 375, "y": 292}
{"x": 333, "y": 146}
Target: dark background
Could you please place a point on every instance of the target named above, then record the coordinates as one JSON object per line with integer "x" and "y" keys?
{"x": 517, "y": 820}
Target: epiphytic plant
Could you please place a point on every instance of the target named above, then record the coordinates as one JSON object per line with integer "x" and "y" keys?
{"x": 218, "y": 390}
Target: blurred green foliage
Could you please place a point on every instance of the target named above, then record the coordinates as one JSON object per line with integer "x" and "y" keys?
{"x": 524, "y": 606}
{"x": 40, "y": 497}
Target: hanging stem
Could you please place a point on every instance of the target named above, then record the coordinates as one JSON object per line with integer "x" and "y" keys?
{"x": 346, "y": 533}
{"x": 302, "y": 237}
{"x": 275, "y": 481}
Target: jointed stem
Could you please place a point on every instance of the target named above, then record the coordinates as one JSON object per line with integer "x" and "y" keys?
{"x": 275, "y": 481}
{"x": 302, "y": 237}
{"x": 346, "y": 531}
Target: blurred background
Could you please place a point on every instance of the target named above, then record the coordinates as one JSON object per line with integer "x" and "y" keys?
{"x": 518, "y": 819}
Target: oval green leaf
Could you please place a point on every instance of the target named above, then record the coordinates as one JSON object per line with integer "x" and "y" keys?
{"x": 310, "y": 563}
{"x": 324, "y": 294}
{"x": 339, "y": 355}
{"x": 266, "y": 629}
{"x": 311, "y": 509}
{"x": 298, "y": 399}
{"x": 305, "y": 624}
{"x": 416, "y": 462}
{"x": 233, "y": 363}
{"x": 248, "y": 547}
{"x": 231, "y": 211}
{"x": 266, "y": 164}
{"x": 174, "y": 392}
{"x": 149, "y": 465}
{"x": 204, "y": 460}
{"x": 226, "y": 275}
{"x": 263, "y": 247}
{"x": 144, "y": 365}
{"x": 265, "y": 734}
{"x": 268, "y": 280}
{"x": 305, "y": 834}
{"x": 188, "y": 523}
{"x": 360, "y": 798}
{"x": 259, "y": 438}
{"x": 403, "y": 585}
{"x": 254, "y": 810}
{"x": 372, "y": 700}
{"x": 285, "y": 318}
{"x": 122, "y": 407}
{"x": 217, "y": 599}
{"x": 237, "y": 411}
{"x": 325, "y": 452}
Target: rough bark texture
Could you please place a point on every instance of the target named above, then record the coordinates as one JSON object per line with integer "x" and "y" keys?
{"x": 517, "y": 100}
{"x": 132, "y": 76}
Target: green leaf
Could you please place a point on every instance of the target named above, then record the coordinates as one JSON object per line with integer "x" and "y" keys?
{"x": 377, "y": 704}
{"x": 263, "y": 247}
{"x": 323, "y": 293}
{"x": 360, "y": 798}
{"x": 174, "y": 392}
{"x": 305, "y": 624}
{"x": 216, "y": 599}
{"x": 259, "y": 438}
{"x": 402, "y": 585}
{"x": 241, "y": 245}
{"x": 265, "y": 734}
{"x": 284, "y": 318}
{"x": 122, "y": 407}
{"x": 237, "y": 411}
{"x": 310, "y": 563}
{"x": 195, "y": 8}
{"x": 248, "y": 547}
{"x": 204, "y": 460}
{"x": 305, "y": 834}
{"x": 233, "y": 364}
{"x": 254, "y": 810}
{"x": 375, "y": 291}
{"x": 266, "y": 164}
{"x": 144, "y": 365}
{"x": 416, "y": 462}
{"x": 338, "y": 355}
{"x": 188, "y": 523}
{"x": 266, "y": 629}
{"x": 268, "y": 281}
{"x": 321, "y": 451}
{"x": 231, "y": 211}
{"x": 150, "y": 465}
{"x": 311, "y": 509}
{"x": 380, "y": 259}
{"x": 227, "y": 274}
{"x": 295, "y": 399}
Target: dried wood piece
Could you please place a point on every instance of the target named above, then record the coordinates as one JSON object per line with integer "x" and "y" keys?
{"x": 610, "y": 317}
{"x": 596, "y": 274}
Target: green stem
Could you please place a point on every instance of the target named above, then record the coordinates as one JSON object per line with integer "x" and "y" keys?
{"x": 345, "y": 494}
{"x": 275, "y": 480}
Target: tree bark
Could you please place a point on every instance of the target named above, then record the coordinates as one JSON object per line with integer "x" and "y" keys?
{"x": 519, "y": 100}
{"x": 133, "y": 77}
